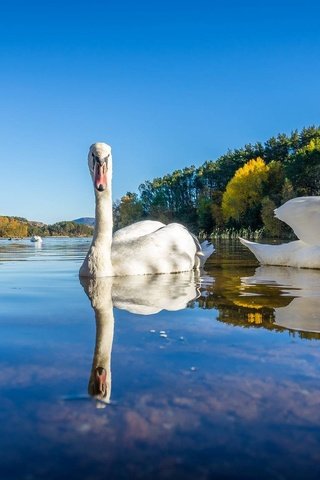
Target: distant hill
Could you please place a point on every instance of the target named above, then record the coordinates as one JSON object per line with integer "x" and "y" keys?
{"x": 21, "y": 227}
{"x": 89, "y": 221}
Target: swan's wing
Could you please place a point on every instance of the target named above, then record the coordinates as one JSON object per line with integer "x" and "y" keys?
{"x": 302, "y": 214}
{"x": 136, "y": 230}
{"x": 168, "y": 249}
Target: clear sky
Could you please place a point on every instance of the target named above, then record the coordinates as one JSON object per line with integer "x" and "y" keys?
{"x": 166, "y": 83}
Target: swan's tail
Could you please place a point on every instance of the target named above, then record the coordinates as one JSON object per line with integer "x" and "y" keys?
{"x": 245, "y": 242}
{"x": 253, "y": 247}
{"x": 206, "y": 249}
{"x": 265, "y": 254}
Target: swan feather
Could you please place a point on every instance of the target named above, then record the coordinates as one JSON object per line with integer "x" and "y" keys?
{"x": 302, "y": 214}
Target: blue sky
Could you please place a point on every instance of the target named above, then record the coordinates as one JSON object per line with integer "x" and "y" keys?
{"x": 167, "y": 84}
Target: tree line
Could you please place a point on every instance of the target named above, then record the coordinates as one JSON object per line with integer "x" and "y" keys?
{"x": 237, "y": 191}
{"x": 20, "y": 227}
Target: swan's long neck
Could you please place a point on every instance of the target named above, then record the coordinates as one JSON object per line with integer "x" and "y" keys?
{"x": 99, "y": 256}
{"x": 103, "y": 223}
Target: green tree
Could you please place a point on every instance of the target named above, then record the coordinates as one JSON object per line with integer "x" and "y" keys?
{"x": 130, "y": 209}
{"x": 272, "y": 226}
{"x": 205, "y": 219}
{"x": 303, "y": 169}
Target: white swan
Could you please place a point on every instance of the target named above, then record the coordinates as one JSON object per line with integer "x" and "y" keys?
{"x": 146, "y": 247}
{"x": 302, "y": 214}
{"x": 36, "y": 238}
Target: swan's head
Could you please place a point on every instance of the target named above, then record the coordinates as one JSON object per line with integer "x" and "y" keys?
{"x": 100, "y": 165}
{"x": 99, "y": 385}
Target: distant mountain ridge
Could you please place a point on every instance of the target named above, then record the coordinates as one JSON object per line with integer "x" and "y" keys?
{"x": 89, "y": 221}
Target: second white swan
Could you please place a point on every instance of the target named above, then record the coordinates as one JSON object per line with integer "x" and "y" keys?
{"x": 302, "y": 214}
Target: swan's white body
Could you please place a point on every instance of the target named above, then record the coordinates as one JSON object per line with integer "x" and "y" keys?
{"x": 166, "y": 249}
{"x": 144, "y": 248}
{"x": 302, "y": 214}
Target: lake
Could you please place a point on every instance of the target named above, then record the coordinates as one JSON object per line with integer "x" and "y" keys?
{"x": 173, "y": 376}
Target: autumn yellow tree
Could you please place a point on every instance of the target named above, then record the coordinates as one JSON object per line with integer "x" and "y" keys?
{"x": 241, "y": 201}
{"x": 11, "y": 227}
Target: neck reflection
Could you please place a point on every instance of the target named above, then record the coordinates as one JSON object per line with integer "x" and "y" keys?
{"x": 99, "y": 292}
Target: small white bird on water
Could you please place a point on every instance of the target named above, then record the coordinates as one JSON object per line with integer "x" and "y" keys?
{"x": 302, "y": 214}
{"x": 36, "y": 238}
{"x": 146, "y": 247}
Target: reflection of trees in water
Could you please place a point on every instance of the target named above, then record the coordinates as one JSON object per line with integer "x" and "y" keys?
{"x": 257, "y": 304}
{"x": 243, "y": 316}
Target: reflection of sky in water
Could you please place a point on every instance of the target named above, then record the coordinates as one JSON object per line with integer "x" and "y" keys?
{"x": 227, "y": 391}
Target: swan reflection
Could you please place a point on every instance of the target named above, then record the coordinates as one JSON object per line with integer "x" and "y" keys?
{"x": 300, "y": 292}
{"x": 144, "y": 295}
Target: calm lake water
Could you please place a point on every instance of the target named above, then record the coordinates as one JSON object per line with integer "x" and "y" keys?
{"x": 211, "y": 377}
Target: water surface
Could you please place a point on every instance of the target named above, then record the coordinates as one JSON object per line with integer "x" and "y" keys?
{"x": 207, "y": 377}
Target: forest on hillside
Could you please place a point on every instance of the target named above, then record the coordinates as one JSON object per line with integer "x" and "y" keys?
{"x": 20, "y": 227}
{"x": 236, "y": 192}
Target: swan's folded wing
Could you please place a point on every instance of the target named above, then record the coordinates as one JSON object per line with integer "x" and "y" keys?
{"x": 169, "y": 249}
{"x": 302, "y": 214}
{"x": 136, "y": 230}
